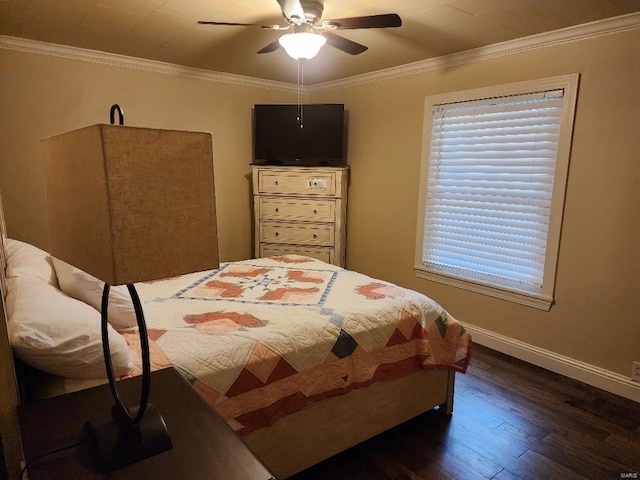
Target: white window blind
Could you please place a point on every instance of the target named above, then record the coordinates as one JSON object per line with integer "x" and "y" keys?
{"x": 490, "y": 182}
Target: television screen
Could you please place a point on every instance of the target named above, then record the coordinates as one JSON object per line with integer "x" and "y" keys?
{"x": 304, "y": 135}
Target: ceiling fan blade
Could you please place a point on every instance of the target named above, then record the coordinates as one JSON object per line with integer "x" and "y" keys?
{"x": 371, "y": 21}
{"x": 273, "y": 46}
{"x": 235, "y": 24}
{"x": 344, "y": 44}
{"x": 292, "y": 9}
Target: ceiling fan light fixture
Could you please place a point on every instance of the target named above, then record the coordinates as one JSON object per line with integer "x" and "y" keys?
{"x": 302, "y": 45}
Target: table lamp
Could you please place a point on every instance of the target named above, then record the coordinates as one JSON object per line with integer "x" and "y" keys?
{"x": 129, "y": 205}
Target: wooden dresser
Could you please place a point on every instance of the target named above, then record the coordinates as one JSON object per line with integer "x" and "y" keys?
{"x": 301, "y": 210}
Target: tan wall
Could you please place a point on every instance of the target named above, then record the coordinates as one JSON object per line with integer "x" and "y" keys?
{"x": 596, "y": 317}
{"x": 44, "y": 95}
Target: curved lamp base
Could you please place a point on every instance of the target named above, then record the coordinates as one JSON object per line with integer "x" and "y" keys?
{"x": 127, "y": 435}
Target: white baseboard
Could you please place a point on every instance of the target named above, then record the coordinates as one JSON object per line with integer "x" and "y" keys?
{"x": 598, "y": 377}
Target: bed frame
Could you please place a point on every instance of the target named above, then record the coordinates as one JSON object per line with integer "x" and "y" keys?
{"x": 296, "y": 441}
{"x": 330, "y": 426}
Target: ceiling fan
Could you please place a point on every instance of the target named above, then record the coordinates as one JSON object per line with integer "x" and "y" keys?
{"x": 309, "y": 34}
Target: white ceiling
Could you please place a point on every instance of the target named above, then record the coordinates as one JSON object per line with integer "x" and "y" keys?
{"x": 166, "y": 30}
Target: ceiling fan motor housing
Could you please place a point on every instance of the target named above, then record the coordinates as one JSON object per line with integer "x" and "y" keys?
{"x": 312, "y": 10}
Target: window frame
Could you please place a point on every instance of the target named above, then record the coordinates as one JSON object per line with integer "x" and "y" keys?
{"x": 544, "y": 298}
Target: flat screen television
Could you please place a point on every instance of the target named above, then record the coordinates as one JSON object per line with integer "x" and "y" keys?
{"x": 299, "y": 135}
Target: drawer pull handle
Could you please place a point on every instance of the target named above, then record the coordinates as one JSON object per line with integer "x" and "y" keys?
{"x": 277, "y": 210}
{"x": 277, "y": 234}
{"x": 276, "y": 182}
{"x": 315, "y": 235}
{"x": 315, "y": 212}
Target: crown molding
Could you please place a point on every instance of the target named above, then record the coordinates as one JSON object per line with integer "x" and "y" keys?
{"x": 534, "y": 42}
{"x": 112, "y": 59}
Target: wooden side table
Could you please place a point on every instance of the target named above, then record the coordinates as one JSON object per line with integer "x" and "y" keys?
{"x": 204, "y": 445}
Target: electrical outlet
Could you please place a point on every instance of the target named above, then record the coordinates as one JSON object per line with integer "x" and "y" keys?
{"x": 635, "y": 372}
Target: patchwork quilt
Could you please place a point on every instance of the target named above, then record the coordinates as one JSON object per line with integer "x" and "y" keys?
{"x": 259, "y": 339}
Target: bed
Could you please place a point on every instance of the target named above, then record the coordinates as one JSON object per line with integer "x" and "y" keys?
{"x": 286, "y": 348}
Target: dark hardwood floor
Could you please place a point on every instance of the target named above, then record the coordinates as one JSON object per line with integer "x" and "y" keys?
{"x": 511, "y": 420}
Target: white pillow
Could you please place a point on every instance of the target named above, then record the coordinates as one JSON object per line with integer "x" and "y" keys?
{"x": 59, "y": 335}
{"x": 26, "y": 260}
{"x": 82, "y": 286}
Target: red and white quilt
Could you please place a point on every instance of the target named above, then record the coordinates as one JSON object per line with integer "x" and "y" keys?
{"x": 260, "y": 339}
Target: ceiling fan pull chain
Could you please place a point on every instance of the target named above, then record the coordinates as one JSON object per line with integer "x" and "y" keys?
{"x": 300, "y": 93}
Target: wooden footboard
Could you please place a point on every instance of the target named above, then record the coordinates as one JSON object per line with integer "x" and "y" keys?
{"x": 325, "y": 428}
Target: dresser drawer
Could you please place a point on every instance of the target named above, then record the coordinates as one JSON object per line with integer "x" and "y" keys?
{"x": 297, "y": 209}
{"x": 310, "y": 234}
{"x": 326, "y": 254}
{"x": 300, "y": 183}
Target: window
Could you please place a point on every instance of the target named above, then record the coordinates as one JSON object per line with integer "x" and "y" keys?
{"x": 494, "y": 169}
